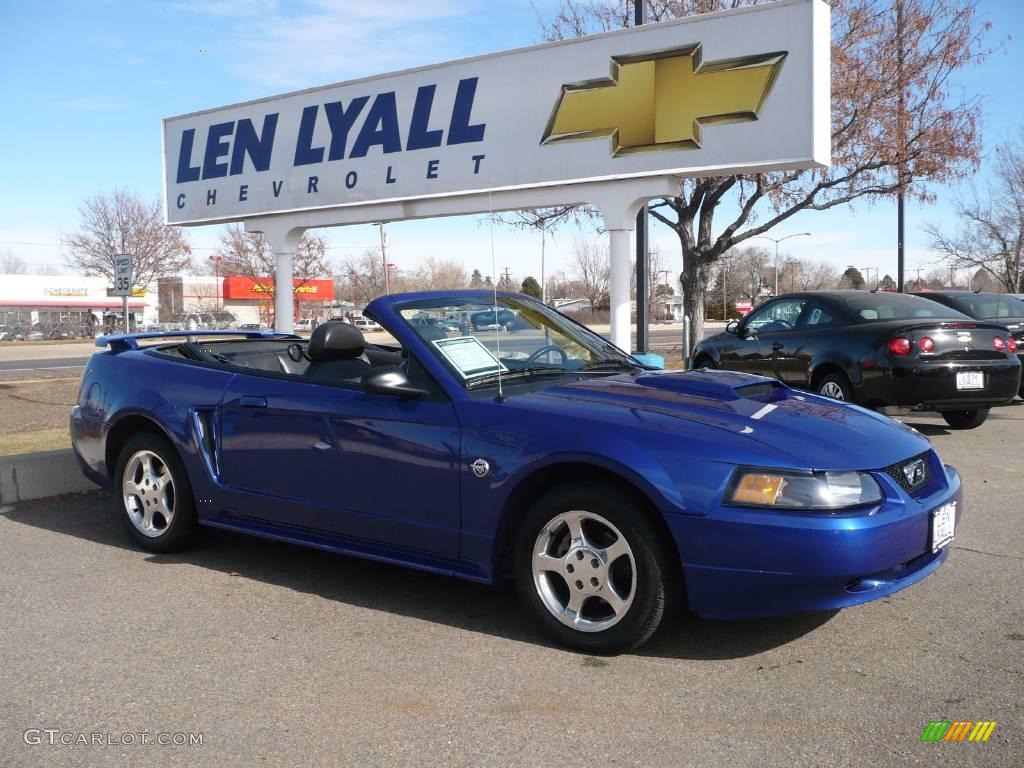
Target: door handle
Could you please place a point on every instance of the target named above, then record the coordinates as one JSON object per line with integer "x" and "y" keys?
{"x": 248, "y": 401}
{"x": 777, "y": 346}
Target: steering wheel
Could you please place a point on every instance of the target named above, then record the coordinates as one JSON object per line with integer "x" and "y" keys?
{"x": 545, "y": 349}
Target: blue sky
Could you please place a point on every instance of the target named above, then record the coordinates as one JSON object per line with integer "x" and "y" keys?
{"x": 86, "y": 84}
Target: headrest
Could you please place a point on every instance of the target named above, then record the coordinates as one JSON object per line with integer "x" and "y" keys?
{"x": 335, "y": 340}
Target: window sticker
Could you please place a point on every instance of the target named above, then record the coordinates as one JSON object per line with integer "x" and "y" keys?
{"x": 468, "y": 356}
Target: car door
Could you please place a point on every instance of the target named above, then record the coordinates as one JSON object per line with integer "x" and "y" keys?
{"x": 337, "y": 459}
{"x": 816, "y": 329}
{"x": 762, "y": 335}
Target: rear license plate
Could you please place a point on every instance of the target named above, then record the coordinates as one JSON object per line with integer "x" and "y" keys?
{"x": 943, "y": 525}
{"x": 970, "y": 380}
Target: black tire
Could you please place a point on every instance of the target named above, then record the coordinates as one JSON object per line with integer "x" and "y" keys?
{"x": 172, "y": 536}
{"x": 965, "y": 419}
{"x": 656, "y": 578}
{"x": 704, "y": 362}
{"x": 835, "y": 386}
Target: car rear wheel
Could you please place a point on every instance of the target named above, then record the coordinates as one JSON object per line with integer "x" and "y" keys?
{"x": 155, "y": 494}
{"x": 965, "y": 419}
{"x": 703, "y": 362}
{"x": 836, "y": 386}
{"x": 593, "y": 569}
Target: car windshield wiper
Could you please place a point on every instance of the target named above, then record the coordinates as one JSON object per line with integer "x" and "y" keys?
{"x": 610, "y": 365}
{"x": 517, "y": 373}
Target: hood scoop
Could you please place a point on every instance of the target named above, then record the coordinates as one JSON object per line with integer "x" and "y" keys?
{"x": 717, "y": 385}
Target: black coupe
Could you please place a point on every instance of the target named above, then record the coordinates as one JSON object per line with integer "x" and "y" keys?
{"x": 999, "y": 308}
{"x": 875, "y": 349}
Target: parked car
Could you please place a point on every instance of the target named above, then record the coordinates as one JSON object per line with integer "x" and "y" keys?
{"x": 875, "y": 349}
{"x": 611, "y": 493}
{"x": 999, "y": 308}
{"x": 492, "y": 320}
{"x": 365, "y": 324}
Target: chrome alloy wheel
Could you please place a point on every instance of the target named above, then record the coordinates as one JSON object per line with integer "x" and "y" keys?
{"x": 584, "y": 571}
{"x": 832, "y": 389}
{"x": 148, "y": 491}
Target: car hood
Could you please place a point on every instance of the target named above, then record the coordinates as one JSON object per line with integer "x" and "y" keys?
{"x": 813, "y": 432}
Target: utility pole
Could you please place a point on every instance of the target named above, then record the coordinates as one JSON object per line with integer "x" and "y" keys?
{"x": 642, "y": 254}
{"x": 384, "y": 258}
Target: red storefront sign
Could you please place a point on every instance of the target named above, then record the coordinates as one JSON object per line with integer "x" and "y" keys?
{"x": 262, "y": 288}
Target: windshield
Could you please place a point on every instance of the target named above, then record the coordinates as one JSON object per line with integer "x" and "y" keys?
{"x": 518, "y": 338}
{"x": 991, "y": 306}
{"x": 878, "y": 307}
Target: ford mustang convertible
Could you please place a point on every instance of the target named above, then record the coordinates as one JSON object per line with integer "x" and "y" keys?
{"x": 535, "y": 450}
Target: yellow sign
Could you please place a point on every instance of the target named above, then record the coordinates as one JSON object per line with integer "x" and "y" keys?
{"x": 660, "y": 100}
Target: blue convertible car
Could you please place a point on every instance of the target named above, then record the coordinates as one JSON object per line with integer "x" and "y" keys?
{"x": 611, "y": 493}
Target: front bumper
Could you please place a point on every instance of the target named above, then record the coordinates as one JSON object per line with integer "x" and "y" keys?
{"x": 745, "y": 563}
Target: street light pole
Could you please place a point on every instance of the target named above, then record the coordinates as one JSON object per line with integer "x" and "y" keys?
{"x": 778, "y": 240}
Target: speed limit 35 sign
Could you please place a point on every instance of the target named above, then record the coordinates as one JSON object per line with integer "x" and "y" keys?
{"x": 123, "y": 274}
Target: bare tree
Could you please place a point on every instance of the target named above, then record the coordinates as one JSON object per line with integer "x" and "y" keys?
{"x": 365, "y": 274}
{"x": 896, "y": 116}
{"x": 591, "y": 268}
{"x": 440, "y": 274}
{"x": 11, "y": 264}
{"x": 250, "y": 254}
{"x": 991, "y": 233}
{"x": 806, "y": 275}
{"x": 751, "y": 272}
{"x": 122, "y": 222}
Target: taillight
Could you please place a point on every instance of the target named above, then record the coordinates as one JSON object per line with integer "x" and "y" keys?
{"x": 998, "y": 343}
{"x": 927, "y": 344}
{"x": 900, "y": 346}
{"x": 1011, "y": 345}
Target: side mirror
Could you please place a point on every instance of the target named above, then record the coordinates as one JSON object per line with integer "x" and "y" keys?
{"x": 393, "y": 381}
{"x": 733, "y": 327}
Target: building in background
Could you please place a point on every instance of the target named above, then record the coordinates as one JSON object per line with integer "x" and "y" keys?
{"x": 236, "y": 300}
{"x": 61, "y": 306}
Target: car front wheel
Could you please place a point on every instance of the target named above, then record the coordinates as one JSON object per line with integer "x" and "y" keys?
{"x": 965, "y": 419}
{"x": 593, "y": 569}
{"x": 155, "y": 494}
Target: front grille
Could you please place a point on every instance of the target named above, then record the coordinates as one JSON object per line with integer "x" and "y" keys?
{"x": 895, "y": 471}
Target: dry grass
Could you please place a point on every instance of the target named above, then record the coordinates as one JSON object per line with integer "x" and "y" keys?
{"x": 39, "y": 440}
{"x": 34, "y": 412}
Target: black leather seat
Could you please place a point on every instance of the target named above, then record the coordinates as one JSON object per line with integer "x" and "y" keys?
{"x": 336, "y": 353}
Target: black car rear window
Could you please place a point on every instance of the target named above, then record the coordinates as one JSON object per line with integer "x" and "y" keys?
{"x": 880, "y": 307}
{"x": 991, "y": 306}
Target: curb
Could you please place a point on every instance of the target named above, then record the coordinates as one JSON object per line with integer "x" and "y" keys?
{"x": 28, "y": 476}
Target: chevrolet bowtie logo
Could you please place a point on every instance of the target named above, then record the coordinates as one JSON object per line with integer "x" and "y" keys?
{"x": 660, "y": 100}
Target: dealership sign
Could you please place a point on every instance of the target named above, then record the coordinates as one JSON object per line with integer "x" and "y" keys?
{"x": 737, "y": 91}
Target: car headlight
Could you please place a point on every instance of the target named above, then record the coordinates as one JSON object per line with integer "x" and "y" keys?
{"x": 802, "y": 490}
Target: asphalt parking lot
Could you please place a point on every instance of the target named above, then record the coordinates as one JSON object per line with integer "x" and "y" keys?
{"x": 284, "y": 656}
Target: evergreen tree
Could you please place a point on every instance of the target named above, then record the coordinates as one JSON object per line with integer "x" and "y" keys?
{"x": 531, "y": 287}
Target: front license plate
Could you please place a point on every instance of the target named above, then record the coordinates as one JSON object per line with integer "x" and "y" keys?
{"x": 970, "y": 380}
{"x": 943, "y": 524}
